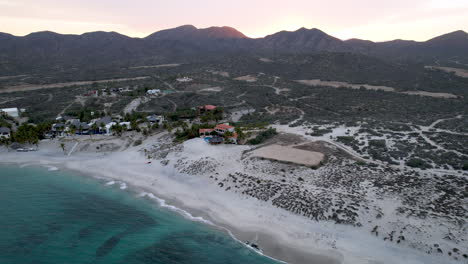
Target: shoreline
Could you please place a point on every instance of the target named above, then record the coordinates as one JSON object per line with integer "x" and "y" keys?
{"x": 282, "y": 235}
{"x": 270, "y": 245}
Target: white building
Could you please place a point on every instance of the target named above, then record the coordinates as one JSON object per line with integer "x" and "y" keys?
{"x": 184, "y": 79}
{"x": 13, "y": 112}
{"x": 153, "y": 92}
{"x": 5, "y": 132}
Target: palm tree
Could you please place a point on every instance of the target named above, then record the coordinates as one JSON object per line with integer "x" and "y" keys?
{"x": 62, "y": 145}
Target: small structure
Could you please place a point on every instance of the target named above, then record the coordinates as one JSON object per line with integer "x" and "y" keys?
{"x": 12, "y": 112}
{"x": 223, "y": 128}
{"x": 58, "y": 130}
{"x": 206, "y": 109}
{"x": 64, "y": 118}
{"x": 184, "y": 79}
{"x": 5, "y": 132}
{"x": 126, "y": 125}
{"x": 204, "y": 132}
{"x": 153, "y": 92}
{"x": 81, "y": 128}
{"x": 232, "y": 139}
{"x": 93, "y": 93}
{"x": 154, "y": 119}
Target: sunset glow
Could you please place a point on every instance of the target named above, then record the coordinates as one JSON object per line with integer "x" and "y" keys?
{"x": 374, "y": 20}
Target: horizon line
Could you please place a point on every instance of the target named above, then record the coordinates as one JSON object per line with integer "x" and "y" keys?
{"x": 140, "y": 37}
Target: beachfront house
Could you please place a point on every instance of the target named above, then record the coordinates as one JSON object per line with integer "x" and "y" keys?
{"x": 12, "y": 112}
{"x": 5, "y": 132}
{"x": 58, "y": 130}
{"x": 223, "y": 128}
{"x": 224, "y": 131}
{"x": 81, "y": 128}
{"x": 205, "y": 132}
{"x": 103, "y": 124}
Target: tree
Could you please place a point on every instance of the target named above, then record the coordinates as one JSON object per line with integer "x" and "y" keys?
{"x": 94, "y": 128}
{"x": 62, "y": 145}
{"x": 26, "y": 133}
{"x": 72, "y": 130}
{"x": 134, "y": 125}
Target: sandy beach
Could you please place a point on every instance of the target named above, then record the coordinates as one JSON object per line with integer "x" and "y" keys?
{"x": 280, "y": 234}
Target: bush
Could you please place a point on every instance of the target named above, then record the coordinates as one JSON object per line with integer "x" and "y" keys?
{"x": 345, "y": 139}
{"x": 416, "y": 163}
{"x": 465, "y": 166}
{"x": 269, "y": 133}
{"x": 378, "y": 143}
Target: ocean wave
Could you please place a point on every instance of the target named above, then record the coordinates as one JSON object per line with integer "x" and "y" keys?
{"x": 200, "y": 219}
{"x": 110, "y": 183}
{"x": 123, "y": 186}
{"x": 184, "y": 213}
{"x": 52, "y": 168}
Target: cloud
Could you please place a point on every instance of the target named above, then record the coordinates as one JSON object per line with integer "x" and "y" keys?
{"x": 9, "y": 3}
{"x": 447, "y": 4}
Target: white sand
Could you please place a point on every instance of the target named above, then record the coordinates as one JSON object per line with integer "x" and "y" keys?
{"x": 431, "y": 94}
{"x": 246, "y": 78}
{"x": 30, "y": 87}
{"x": 337, "y": 84}
{"x": 457, "y": 71}
{"x": 281, "y": 234}
{"x": 156, "y": 66}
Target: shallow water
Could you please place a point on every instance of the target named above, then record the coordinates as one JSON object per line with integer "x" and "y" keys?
{"x": 57, "y": 217}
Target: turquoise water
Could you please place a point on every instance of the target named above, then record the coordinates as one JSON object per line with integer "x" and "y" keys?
{"x": 61, "y": 218}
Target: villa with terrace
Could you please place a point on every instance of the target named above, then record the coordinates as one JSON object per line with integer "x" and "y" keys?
{"x": 219, "y": 134}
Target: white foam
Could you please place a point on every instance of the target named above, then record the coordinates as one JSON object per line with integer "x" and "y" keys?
{"x": 200, "y": 219}
{"x": 110, "y": 183}
{"x": 184, "y": 213}
{"x": 123, "y": 186}
{"x": 52, "y": 168}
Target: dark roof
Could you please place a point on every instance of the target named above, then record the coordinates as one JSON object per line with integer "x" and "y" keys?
{"x": 105, "y": 120}
{"x": 5, "y": 130}
{"x": 77, "y": 124}
{"x": 153, "y": 118}
{"x": 59, "y": 125}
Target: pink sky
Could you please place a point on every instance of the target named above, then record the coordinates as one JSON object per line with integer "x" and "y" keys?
{"x": 375, "y": 20}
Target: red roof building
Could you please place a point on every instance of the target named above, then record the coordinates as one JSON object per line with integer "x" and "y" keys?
{"x": 205, "y": 132}
{"x": 223, "y": 128}
{"x": 206, "y": 108}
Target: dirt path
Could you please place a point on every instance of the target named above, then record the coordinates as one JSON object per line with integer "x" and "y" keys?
{"x": 165, "y": 83}
{"x": 49, "y": 99}
{"x": 77, "y": 100}
{"x": 174, "y": 109}
{"x": 272, "y": 86}
{"x": 10, "y": 100}
{"x": 30, "y": 87}
{"x": 134, "y": 104}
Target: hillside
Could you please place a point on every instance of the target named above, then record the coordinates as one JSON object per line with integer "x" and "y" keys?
{"x": 49, "y": 51}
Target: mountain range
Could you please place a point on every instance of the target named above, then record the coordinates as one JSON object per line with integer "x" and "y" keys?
{"x": 49, "y": 50}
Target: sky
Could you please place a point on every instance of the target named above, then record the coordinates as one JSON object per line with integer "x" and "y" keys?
{"x": 376, "y": 20}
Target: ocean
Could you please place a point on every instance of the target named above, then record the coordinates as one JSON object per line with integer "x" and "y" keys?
{"x": 61, "y": 218}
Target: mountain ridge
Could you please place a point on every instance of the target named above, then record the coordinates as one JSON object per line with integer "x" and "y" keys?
{"x": 50, "y": 49}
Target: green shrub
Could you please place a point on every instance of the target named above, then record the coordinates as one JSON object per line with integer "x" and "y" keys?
{"x": 416, "y": 163}
{"x": 269, "y": 133}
